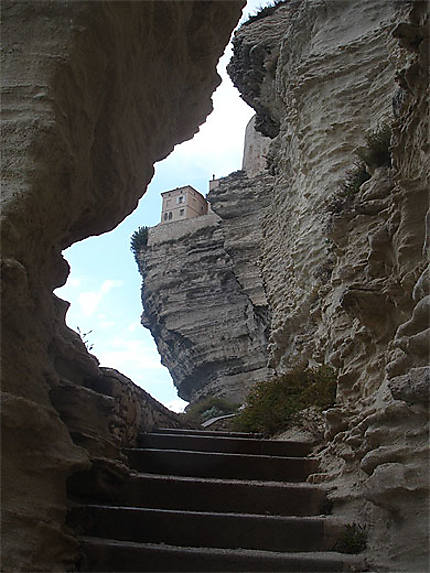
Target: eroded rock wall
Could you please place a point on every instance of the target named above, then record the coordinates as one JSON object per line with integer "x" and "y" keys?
{"x": 349, "y": 286}
{"x": 93, "y": 94}
{"x": 203, "y": 296}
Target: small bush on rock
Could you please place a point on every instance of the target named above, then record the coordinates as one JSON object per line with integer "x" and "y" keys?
{"x": 208, "y": 408}
{"x": 138, "y": 241}
{"x": 271, "y": 405}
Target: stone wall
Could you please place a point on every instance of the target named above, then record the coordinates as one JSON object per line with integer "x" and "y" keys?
{"x": 93, "y": 94}
{"x": 177, "y": 229}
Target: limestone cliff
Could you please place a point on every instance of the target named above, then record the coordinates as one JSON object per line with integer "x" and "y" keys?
{"x": 342, "y": 278}
{"x": 348, "y": 285}
{"x": 203, "y": 296}
{"x": 93, "y": 94}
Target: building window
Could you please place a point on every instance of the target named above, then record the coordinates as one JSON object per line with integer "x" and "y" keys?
{"x": 180, "y": 199}
{"x": 181, "y": 212}
{"x": 165, "y": 216}
{"x": 170, "y": 215}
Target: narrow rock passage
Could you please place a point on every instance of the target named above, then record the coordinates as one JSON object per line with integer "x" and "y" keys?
{"x": 214, "y": 501}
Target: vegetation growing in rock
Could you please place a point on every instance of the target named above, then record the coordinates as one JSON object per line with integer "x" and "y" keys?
{"x": 353, "y": 540}
{"x": 272, "y": 404}
{"x": 375, "y": 154}
{"x": 377, "y": 150}
{"x": 208, "y": 408}
{"x": 84, "y": 337}
{"x": 138, "y": 241}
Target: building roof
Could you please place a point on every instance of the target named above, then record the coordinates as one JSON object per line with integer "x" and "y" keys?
{"x": 184, "y": 187}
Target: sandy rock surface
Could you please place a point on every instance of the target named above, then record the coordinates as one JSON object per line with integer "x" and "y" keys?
{"x": 93, "y": 94}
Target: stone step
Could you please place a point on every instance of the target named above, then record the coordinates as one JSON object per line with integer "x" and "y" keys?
{"x": 236, "y": 466}
{"x": 213, "y": 433}
{"x": 206, "y": 494}
{"x": 222, "y": 444}
{"x": 117, "y": 556}
{"x": 205, "y": 529}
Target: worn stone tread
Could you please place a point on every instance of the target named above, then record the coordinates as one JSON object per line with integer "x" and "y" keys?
{"x": 224, "y": 465}
{"x": 210, "y": 529}
{"x": 214, "y": 433}
{"x": 112, "y": 555}
{"x": 212, "y": 494}
{"x": 224, "y": 444}
{"x": 227, "y": 481}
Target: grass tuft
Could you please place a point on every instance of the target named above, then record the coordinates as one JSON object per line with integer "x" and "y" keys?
{"x": 353, "y": 540}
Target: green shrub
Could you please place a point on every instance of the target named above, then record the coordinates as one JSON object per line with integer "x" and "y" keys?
{"x": 138, "y": 241}
{"x": 353, "y": 540}
{"x": 377, "y": 150}
{"x": 272, "y": 404}
{"x": 208, "y": 408}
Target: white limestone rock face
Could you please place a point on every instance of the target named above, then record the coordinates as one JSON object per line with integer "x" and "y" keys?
{"x": 203, "y": 296}
{"x": 348, "y": 286}
{"x": 93, "y": 94}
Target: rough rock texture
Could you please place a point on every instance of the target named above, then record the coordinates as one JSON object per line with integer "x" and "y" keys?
{"x": 349, "y": 286}
{"x": 93, "y": 94}
{"x": 203, "y": 296}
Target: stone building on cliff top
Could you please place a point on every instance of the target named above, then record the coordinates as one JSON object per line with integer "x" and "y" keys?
{"x": 182, "y": 203}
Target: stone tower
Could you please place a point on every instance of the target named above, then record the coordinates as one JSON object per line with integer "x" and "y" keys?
{"x": 255, "y": 149}
{"x": 182, "y": 203}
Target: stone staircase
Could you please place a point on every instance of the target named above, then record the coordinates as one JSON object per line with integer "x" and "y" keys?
{"x": 214, "y": 501}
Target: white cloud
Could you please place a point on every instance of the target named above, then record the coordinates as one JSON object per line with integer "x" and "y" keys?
{"x": 129, "y": 355}
{"x": 74, "y": 282}
{"x": 110, "y": 284}
{"x": 106, "y": 324}
{"x": 176, "y": 405}
{"x": 90, "y": 300}
{"x": 68, "y": 291}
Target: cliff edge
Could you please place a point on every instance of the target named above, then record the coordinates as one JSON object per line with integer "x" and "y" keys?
{"x": 203, "y": 296}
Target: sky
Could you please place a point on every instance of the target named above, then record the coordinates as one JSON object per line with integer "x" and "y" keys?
{"x": 104, "y": 284}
